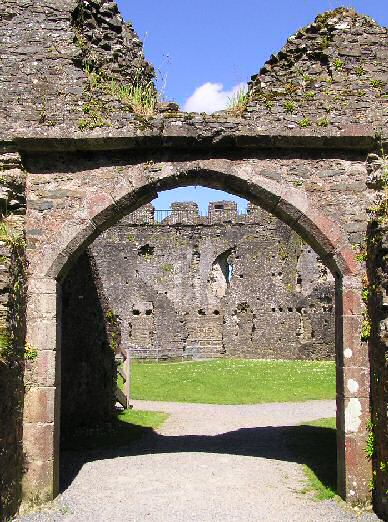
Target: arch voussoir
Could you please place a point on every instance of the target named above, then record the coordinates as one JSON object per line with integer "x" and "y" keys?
{"x": 100, "y": 210}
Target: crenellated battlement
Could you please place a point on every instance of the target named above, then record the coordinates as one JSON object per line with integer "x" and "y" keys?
{"x": 188, "y": 213}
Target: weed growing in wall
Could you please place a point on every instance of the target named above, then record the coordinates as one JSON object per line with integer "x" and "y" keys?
{"x": 323, "y": 122}
{"x": 238, "y": 102}
{"x": 379, "y": 212}
{"x": 370, "y": 442}
{"x": 338, "y": 64}
{"x": 304, "y": 122}
{"x": 283, "y": 253}
{"x": 113, "y": 327}
{"x": 289, "y": 106}
{"x": 360, "y": 71}
{"x": 15, "y": 266}
{"x": 136, "y": 97}
{"x": 5, "y": 345}
{"x": 366, "y": 327}
{"x": 140, "y": 98}
{"x": 111, "y": 317}
{"x": 30, "y": 352}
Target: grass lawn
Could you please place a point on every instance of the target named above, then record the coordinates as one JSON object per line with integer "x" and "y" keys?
{"x": 233, "y": 381}
{"x": 120, "y": 431}
{"x": 314, "y": 444}
{"x": 146, "y": 419}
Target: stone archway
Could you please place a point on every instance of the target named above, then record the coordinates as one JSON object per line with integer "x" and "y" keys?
{"x": 104, "y": 201}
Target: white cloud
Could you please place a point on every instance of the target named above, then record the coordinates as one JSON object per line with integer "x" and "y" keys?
{"x": 210, "y": 97}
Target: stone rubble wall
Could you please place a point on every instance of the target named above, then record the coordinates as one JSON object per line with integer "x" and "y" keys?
{"x": 377, "y": 288}
{"x": 109, "y": 45}
{"x": 60, "y": 58}
{"x": 326, "y": 90}
{"x": 12, "y": 331}
{"x": 329, "y": 79}
{"x": 330, "y": 74}
{"x": 225, "y": 285}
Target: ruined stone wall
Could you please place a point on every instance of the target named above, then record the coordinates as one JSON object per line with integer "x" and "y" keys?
{"x": 88, "y": 350}
{"x": 60, "y": 59}
{"x": 330, "y": 74}
{"x": 376, "y": 292}
{"x": 12, "y": 331}
{"x": 221, "y": 285}
{"x": 329, "y": 78}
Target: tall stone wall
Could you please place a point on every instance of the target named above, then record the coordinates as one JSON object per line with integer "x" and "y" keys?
{"x": 12, "y": 331}
{"x": 222, "y": 285}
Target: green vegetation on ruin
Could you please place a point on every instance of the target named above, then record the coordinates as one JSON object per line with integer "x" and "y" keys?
{"x": 239, "y": 102}
{"x": 233, "y": 381}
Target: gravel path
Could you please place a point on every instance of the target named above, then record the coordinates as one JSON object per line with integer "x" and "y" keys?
{"x": 207, "y": 463}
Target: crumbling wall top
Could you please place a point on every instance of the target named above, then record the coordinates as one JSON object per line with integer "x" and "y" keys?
{"x": 332, "y": 72}
{"x": 68, "y": 69}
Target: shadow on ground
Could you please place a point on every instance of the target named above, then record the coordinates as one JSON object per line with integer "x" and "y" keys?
{"x": 310, "y": 445}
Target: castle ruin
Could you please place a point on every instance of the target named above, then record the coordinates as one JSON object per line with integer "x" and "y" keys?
{"x": 228, "y": 284}
{"x": 309, "y": 147}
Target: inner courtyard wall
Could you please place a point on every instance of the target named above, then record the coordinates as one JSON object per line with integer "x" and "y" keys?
{"x": 221, "y": 285}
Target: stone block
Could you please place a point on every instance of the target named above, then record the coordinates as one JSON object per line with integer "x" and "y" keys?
{"x": 271, "y": 174}
{"x": 42, "y": 306}
{"x": 39, "y": 442}
{"x": 46, "y": 368}
{"x": 52, "y": 259}
{"x": 291, "y": 206}
{"x": 348, "y": 336}
{"x": 347, "y": 262}
{"x": 352, "y": 302}
{"x": 353, "y": 382}
{"x": 358, "y": 472}
{"x": 357, "y": 416}
{"x": 42, "y": 333}
{"x": 99, "y": 208}
{"x": 320, "y": 232}
{"x": 40, "y": 405}
{"x": 38, "y": 483}
{"x": 42, "y": 286}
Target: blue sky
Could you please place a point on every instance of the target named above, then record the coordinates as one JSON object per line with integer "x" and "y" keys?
{"x": 204, "y": 49}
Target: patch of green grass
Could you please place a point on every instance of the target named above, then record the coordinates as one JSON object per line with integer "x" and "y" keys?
{"x": 121, "y": 431}
{"x": 234, "y": 381}
{"x": 320, "y": 457}
{"x": 146, "y": 419}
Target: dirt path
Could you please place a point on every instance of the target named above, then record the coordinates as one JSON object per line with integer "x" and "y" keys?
{"x": 207, "y": 463}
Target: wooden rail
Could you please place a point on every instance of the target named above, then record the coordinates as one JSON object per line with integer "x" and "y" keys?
{"x": 124, "y": 370}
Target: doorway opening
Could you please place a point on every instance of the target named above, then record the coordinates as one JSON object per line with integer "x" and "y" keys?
{"x": 219, "y": 297}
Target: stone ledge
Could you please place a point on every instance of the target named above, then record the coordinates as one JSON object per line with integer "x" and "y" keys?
{"x": 201, "y": 138}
